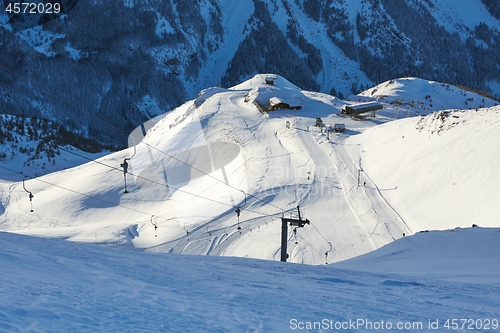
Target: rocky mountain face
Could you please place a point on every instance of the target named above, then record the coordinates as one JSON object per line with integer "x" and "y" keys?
{"x": 106, "y": 66}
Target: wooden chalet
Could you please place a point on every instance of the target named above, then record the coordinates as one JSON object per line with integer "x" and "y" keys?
{"x": 276, "y": 103}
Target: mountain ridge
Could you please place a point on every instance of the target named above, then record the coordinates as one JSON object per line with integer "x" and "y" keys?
{"x": 116, "y": 55}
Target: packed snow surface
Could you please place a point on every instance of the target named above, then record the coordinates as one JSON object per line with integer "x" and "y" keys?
{"x": 50, "y": 285}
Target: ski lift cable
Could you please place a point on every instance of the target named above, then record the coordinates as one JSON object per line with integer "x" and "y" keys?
{"x": 329, "y": 243}
{"x": 100, "y": 199}
{"x": 78, "y": 192}
{"x": 326, "y": 240}
{"x": 207, "y": 174}
{"x": 161, "y": 184}
{"x": 310, "y": 245}
{"x": 97, "y": 117}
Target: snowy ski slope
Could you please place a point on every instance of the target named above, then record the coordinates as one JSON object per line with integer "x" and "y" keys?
{"x": 244, "y": 158}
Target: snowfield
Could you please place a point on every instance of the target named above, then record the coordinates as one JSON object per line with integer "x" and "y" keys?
{"x": 426, "y": 279}
{"x": 421, "y": 97}
{"x": 214, "y": 177}
{"x": 437, "y": 171}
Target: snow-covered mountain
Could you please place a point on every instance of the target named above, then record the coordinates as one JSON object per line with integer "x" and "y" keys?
{"x": 39, "y": 146}
{"x": 421, "y": 97}
{"x": 219, "y": 153}
{"x": 436, "y": 170}
{"x": 128, "y": 61}
{"x": 402, "y": 207}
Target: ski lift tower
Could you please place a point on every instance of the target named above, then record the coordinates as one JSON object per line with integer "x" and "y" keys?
{"x": 299, "y": 223}
{"x": 124, "y": 165}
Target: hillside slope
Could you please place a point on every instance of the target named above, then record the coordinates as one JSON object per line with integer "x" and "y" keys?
{"x": 423, "y": 97}
{"x": 130, "y": 61}
{"x": 218, "y": 154}
{"x": 437, "y": 171}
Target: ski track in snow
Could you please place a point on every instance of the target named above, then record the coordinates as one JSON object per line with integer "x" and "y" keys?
{"x": 386, "y": 214}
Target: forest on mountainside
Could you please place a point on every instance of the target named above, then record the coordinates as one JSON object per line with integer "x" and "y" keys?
{"x": 92, "y": 69}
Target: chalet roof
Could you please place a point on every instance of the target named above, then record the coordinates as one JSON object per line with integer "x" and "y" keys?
{"x": 270, "y": 79}
{"x": 291, "y": 102}
{"x": 363, "y": 106}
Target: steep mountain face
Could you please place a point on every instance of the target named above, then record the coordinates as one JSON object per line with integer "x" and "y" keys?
{"x": 127, "y": 61}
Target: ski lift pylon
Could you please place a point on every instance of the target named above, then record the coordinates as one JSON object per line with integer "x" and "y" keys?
{"x": 124, "y": 165}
